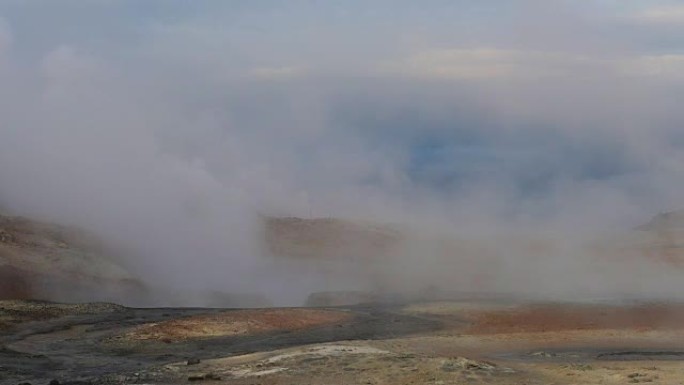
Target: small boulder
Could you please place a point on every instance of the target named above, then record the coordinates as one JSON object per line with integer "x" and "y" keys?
{"x": 6, "y": 237}
{"x": 212, "y": 376}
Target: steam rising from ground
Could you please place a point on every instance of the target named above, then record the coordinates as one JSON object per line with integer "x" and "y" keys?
{"x": 169, "y": 130}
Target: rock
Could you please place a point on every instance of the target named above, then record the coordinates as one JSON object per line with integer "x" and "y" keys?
{"x": 474, "y": 365}
{"x": 193, "y": 361}
{"x": 208, "y": 376}
{"x": 543, "y": 354}
{"x": 448, "y": 366}
{"x": 212, "y": 376}
{"x": 462, "y": 363}
{"x": 6, "y": 237}
{"x": 54, "y": 382}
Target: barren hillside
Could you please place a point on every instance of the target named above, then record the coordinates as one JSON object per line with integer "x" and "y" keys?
{"x": 323, "y": 238}
{"x": 662, "y": 238}
{"x": 419, "y": 263}
{"x": 47, "y": 261}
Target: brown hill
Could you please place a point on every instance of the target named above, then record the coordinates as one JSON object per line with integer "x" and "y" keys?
{"x": 40, "y": 260}
{"x": 663, "y": 237}
{"x": 361, "y": 261}
{"x": 665, "y": 221}
{"x": 328, "y": 238}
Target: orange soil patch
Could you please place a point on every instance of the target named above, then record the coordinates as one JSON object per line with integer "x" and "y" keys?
{"x": 550, "y": 318}
{"x": 234, "y": 323}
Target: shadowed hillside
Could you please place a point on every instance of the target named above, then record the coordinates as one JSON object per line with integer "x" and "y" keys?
{"x": 46, "y": 261}
{"x": 665, "y": 221}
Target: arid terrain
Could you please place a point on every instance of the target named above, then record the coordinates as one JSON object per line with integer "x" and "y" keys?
{"x": 323, "y": 192}
{"x": 456, "y": 342}
{"x": 432, "y": 335}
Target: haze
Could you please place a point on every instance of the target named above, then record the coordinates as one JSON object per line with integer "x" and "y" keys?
{"x": 169, "y": 128}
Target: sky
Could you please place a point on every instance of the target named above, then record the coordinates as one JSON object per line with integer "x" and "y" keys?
{"x": 166, "y": 125}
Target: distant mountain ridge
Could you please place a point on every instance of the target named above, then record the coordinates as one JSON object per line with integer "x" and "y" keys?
{"x": 328, "y": 238}
{"x": 667, "y": 220}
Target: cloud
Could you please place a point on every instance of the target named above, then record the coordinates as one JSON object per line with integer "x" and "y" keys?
{"x": 5, "y": 39}
{"x": 492, "y": 63}
{"x": 665, "y": 67}
{"x": 168, "y": 133}
{"x": 664, "y": 15}
{"x": 489, "y": 64}
{"x": 275, "y": 73}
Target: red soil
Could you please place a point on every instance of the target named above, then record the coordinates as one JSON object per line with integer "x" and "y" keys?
{"x": 550, "y": 318}
{"x": 239, "y": 322}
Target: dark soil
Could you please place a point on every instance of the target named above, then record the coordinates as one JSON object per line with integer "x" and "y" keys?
{"x": 78, "y": 345}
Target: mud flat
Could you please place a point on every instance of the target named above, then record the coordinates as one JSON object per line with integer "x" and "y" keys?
{"x": 449, "y": 342}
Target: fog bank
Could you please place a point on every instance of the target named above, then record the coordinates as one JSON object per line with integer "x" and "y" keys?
{"x": 170, "y": 130}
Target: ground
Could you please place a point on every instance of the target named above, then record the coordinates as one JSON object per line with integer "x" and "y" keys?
{"x": 459, "y": 342}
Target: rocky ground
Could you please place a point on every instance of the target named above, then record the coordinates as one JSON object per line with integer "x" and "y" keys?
{"x": 456, "y": 342}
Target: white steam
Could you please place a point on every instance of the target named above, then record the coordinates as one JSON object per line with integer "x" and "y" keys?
{"x": 169, "y": 136}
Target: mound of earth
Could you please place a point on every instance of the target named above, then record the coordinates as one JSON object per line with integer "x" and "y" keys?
{"x": 235, "y": 323}
{"x": 663, "y": 237}
{"x": 328, "y": 238}
{"x": 349, "y": 363}
{"x": 40, "y": 260}
{"x": 665, "y": 221}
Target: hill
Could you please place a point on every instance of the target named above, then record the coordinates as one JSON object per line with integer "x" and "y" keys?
{"x": 41, "y": 260}
{"x": 329, "y": 238}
